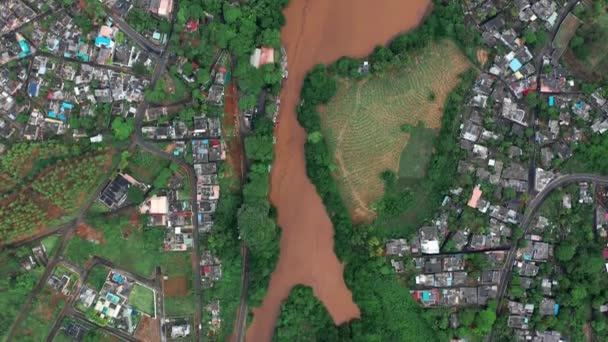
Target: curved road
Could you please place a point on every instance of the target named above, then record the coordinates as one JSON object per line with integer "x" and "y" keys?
{"x": 531, "y": 211}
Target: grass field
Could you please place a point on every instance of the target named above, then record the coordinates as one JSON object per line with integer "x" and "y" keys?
{"x": 142, "y": 298}
{"x": 50, "y": 242}
{"x": 362, "y": 123}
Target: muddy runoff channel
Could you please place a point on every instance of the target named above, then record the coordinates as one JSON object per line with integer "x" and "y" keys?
{"x": 317, "y": 31}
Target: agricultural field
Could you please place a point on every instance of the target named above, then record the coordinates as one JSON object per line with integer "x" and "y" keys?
{"x": 142, "y": 298}
{"x": 49, "y": 182}
{"x": 372, "y": 124}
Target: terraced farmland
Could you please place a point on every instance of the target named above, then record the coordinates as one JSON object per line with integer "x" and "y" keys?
{"x": 362, "y": 124}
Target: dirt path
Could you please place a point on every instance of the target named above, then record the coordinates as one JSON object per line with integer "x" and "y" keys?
{"x": 317, "y": 31}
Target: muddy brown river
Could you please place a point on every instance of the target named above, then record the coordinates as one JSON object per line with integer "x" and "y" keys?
{"x": 317, "y": 31}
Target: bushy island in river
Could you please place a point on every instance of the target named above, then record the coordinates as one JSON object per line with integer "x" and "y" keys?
{"x": 388, "y": 313}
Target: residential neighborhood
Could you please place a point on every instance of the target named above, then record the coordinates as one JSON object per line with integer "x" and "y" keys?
{"x": 161, "y": 178}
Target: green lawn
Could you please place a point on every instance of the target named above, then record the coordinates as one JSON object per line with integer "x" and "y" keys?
{"x": 142, "y": 298}
{"x": 180, "y": 306}
{"x": 416, "y": 154}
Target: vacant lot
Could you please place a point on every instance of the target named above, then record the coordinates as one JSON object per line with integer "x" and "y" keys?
{"x": 591, "y": 63}
{"x": 145, "y": 167}
{"x": 368, "y": 124}
{"x": 142, "y": 298}
{"x": 176, "y": 286}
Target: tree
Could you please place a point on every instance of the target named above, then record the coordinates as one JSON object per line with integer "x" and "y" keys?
{"x": 162, "y": 179}
{"x": 135, "y": 195}
{"x": 565, "y": 252}
{"x": 123, "y": 128}
{"x": 259, "y": 147}
{"x": 257, "y": 229}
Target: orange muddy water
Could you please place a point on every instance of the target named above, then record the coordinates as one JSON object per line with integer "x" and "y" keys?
{"x": 317, "y": 31}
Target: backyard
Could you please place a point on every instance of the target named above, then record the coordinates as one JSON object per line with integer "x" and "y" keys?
{"x": 369, "y": 125}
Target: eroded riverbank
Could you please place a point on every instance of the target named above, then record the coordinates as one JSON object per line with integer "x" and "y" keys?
{"x": 317, "y": 31}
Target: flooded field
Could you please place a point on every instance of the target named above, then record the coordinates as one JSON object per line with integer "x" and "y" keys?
{"x": 317, "y": 31}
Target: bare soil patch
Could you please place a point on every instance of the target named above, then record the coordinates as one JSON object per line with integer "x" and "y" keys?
{"x": 170, "y": 148}
{"x": 317, "y": 31}
{"x": 176, "y": 286}
{"x": 89, "y": 233}
{"x": 482, "y": 56}
{"x": 148, "y": 329}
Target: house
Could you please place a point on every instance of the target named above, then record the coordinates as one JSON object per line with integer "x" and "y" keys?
{"x": 518, "y": 322}
{"x": 162, "y": 8}
{"x": 75, "y": 331}
{"x": 429, "y": 240}
{"x": 216, "y": 95}
{"x": 453, "y": 263}
{"x": 542, "y": 179}
{"x": 115, "y": 193}
{"x": 397, "y": 247}
{"x": 180, "y": 331}
{"x": 470, "y": 131}
{"x": 262, "y": 56}
{"x": 511, "y": 112}
{"x": 548, "y": 307}
{"x": 528, "y": 269}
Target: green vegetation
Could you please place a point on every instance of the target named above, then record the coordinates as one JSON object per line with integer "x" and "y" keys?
{"x": 416, "y": 154}
{"x": 123, "y": 128}
{"x": 124, "y": 245}
{"x": 50, "y": 182}
{"x": 142, "y": 298}
{"x": 224, "y": 243}
{"x": 363, "y": 124}
{"x": 141, "y": 20}
{"x": 15, "y": 285}
{"x": 43, "y": 313}
{"x": 388, "y": 313}
{"x": 97, "y": 277}
{"x": 145, "y": 167}
{"x": 50, "y": 242}
{"x": 65, "y": 184}
{"x": 255, "y": 219}
{"x": 303, "y": 318}
{"x": 588, "y": 44}
{"x": 178, "y": 264}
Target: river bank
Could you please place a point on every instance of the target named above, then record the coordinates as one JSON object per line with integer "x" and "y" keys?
{"x": 317, "y": 32}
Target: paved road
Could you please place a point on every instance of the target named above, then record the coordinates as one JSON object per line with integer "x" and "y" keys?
{"x": 67, "y": 231}
{"x": 138, "y": 38}
{"x": 531, "y": 211}
{"x": 563, "y": 12}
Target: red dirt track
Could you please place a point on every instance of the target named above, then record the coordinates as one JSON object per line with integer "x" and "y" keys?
{"x": 317, "y": 31}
